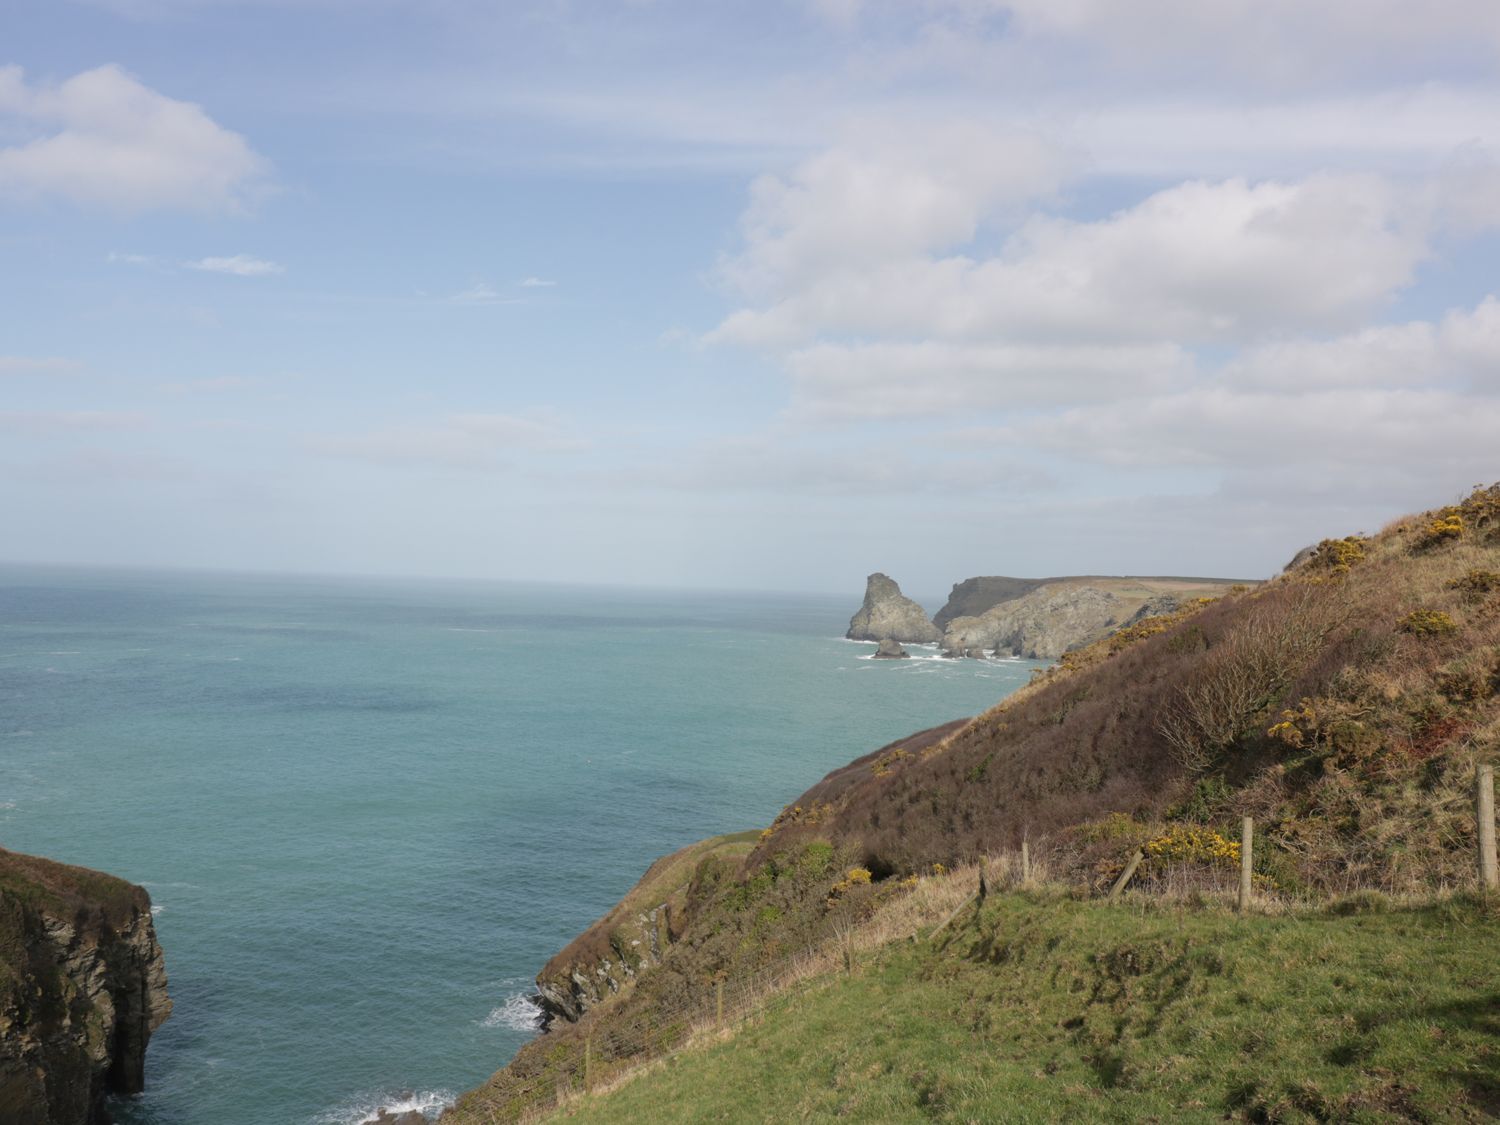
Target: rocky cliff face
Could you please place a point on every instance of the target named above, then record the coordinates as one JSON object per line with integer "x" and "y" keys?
{"x": 82, "y": 989}
{"x": 633, "y": 937}
{"x": 888, "y": 614}
{"x": 1047, "y": 622}
{"x": 975, "y": 596}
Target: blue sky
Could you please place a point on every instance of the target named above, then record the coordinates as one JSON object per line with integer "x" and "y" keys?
{"x": 747, "y": 295}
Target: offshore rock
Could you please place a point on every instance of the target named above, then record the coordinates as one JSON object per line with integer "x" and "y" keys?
{"x": 888, "y": 614}
{"x": 82, "y": 989}
{"x": 891, "y": 650}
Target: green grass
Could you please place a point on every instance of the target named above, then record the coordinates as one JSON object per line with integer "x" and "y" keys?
{"x": 1045, "y": 1009}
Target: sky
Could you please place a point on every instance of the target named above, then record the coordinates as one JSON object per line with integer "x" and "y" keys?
{"x": 725, "y": 294}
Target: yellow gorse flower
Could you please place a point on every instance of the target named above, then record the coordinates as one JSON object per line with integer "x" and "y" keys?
{"x": 1195, "y": 845}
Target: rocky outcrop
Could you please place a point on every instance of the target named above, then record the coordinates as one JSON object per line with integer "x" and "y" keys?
{"x": 891, "y": 650}
{"x": 1041, "y": 625}
{"x": 888, "y": 614}
{"x": 82, "y": 989}
{"x": 975, "y": 596}
{"x": 633, "y": 937}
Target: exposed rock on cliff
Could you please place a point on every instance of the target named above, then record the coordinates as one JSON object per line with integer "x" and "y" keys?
{"x": 974, "y": 596}
{"x": 888, "y": 614}
{"x": 632, "y": 937}
{"x": 891, "y": 650}
{"x": 82, "y": 988}
{"x": 1041, "y": 625}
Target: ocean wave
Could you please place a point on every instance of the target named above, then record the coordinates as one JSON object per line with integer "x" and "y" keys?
{"x": 518, "y": 1013}
{"x": 365, "y": 1108}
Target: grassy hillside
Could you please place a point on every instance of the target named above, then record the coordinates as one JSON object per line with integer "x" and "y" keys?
{"x": 1045, "y": 1009}
{"x": 1344, "y": 705}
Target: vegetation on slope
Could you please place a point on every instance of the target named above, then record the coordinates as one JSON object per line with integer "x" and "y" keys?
{"x": 1344, "y": 705}
{"x": 1042, "y": 1008}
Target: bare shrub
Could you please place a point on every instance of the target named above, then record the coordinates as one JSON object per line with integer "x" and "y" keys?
{"x": 1248, "y": 672}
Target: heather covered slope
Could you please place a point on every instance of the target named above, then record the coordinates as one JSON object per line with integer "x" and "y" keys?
{"x": 1344, "y": 705}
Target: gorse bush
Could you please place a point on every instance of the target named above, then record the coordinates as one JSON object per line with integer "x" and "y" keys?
{"x": 1476, "y": 585}
{"x": 1336, "y": 556}
{"x": 1246, "y": 674}
{"x": 1193, "y": 844}
{"x": 1428, "y": 623}
{"x": 1448, "y": 526}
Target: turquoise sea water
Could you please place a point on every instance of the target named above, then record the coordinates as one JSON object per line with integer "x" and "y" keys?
{"x": 368, "y": 812}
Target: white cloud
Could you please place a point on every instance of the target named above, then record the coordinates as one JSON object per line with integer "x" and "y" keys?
{"x": 776, "y": 463}
{"x": 1463, "y": 350}
{"x": 475, "y": 441}
{"x": 482, "y": 293}
{"x": 37, "y": 365}
{"x": 537, "y": 283}
{"x": 1198, "y": 262}
{"x": 882, "y": 197}
{"x": 240, "y": 265}
{"x": 115, "y": 257}
{"x": 1441, "y": 436}
{"x": 101, "y": 138}
{"x": 894, "y": 380}
{"x": 1275, "y": 38}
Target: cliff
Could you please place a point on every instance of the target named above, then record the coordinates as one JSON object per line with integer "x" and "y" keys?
{"x": 887, "y": 614}
{"x": 633, "y": 936}
{"x": 1051, "y": 616}
{"x": 1343, "y": 705}
{"x": 82, "y": 989}
{"x": 974, "y": 596}
{"x": 1050, "y": 620}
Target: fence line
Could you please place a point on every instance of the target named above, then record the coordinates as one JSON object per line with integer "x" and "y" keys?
{"x": 613, "y": 1055}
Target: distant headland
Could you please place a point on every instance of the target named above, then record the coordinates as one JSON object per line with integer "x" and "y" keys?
{"x": 1035, "y": 618}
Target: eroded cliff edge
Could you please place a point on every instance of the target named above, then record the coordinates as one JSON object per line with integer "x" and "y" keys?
{"x": 83, "y": 986}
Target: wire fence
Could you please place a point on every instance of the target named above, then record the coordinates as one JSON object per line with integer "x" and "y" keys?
{"x": 596, "y": 1054}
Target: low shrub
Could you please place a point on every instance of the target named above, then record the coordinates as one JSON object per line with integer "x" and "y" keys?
{"x": 1428, "y": 623}
{"x": 1476, "y": 585}
{"x": 1448, "y": 526}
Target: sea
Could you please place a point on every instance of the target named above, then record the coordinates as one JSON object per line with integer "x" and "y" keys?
{"x": 368, "y": 811}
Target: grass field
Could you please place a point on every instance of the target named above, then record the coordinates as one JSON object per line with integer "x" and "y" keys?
{"x": 1043, "y": 1008}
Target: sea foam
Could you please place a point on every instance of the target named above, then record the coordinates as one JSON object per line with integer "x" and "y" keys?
{"x": 366, "y": 1108}
{"x": 518, "y": 1013}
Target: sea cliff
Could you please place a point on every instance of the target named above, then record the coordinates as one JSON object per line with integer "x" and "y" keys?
{"x": 82, "y": 988}
{"x": 1345, "y": 707}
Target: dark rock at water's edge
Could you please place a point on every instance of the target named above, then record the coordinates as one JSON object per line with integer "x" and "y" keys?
{"x": 888, "y": 614}
{"x": 82, "y": 988}
{"x": 891, "y": 650}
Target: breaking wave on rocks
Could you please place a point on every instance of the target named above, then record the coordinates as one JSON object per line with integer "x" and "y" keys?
{"x": 366, "y": 1108}
{"x": 518, "y": 1013}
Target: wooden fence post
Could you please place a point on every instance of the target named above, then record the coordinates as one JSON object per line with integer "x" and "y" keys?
{"x": 719, "y": 1004}
{"x": 1247, "y": 860}
{"x": 1025, "y": 862}
{"x": 983, "y": 883}
{"x": 1484, "y": 810}
{"x": 1135, "y": 861}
